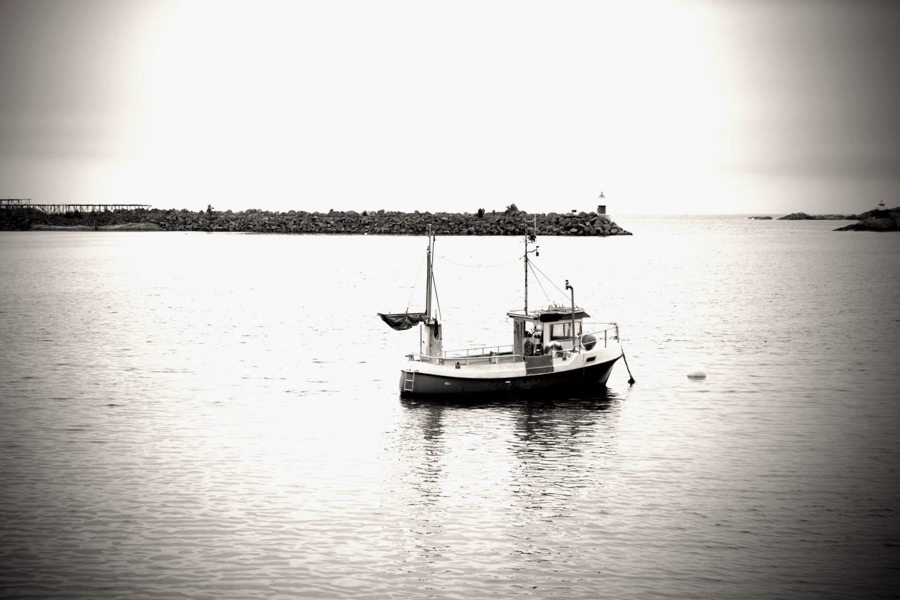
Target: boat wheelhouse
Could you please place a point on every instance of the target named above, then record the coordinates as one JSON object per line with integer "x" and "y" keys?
{"x": 553, "y": 349}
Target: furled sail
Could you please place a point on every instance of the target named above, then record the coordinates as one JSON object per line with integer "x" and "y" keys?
{"x": 402, "y": 321}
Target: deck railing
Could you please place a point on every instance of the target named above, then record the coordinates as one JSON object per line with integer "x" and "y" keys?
{"x": 479, "y": 352}
{"x": 505, "y": 354}
{"x": 471, "y": 356}
{"x": 609, "y": 332}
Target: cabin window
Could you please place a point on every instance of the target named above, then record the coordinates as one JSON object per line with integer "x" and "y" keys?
{"x": 563, "y": 331}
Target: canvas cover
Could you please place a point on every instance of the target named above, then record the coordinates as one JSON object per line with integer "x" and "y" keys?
{"x": 554, "y": 316}
{"x": 403, "y": 321}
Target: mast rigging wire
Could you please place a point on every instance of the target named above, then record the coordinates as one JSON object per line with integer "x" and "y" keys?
{"x": 415, "y": 281}
{"x": 538, "y": 279}
{"x": 458, "y": 264}
{"x": 561, "y": 293}
{"x": 437, "y": 298}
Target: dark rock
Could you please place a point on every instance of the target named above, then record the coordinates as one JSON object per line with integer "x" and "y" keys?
{"x": 876, "y": 220}
{"x": 333, "y": 222}
{"x": 801, "y": 216}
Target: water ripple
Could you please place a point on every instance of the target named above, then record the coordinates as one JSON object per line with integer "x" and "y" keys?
{"x": 193, "y": 439}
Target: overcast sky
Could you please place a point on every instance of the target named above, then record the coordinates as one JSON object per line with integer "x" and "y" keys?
{"x": 691, "y": 106}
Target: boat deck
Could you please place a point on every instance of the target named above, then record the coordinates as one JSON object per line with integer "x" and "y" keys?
{"x": 604, "y": 336}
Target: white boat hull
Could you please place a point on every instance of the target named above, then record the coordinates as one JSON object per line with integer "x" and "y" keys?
{"x": 498, "y": 374}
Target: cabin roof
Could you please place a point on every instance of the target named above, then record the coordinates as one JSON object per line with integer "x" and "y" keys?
{"x": 548, "y": 315}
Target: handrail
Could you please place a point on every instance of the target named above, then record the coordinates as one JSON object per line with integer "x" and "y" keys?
{"x": 479, "y": 351}
{"x": 495, "y": 359}
{"x": 613, "y": 327}
{"x": 604, "y": 333}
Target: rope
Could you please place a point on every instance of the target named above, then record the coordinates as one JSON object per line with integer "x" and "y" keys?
{"x": 541, "y": 285}
{"x": 433, "y": 282}
{"x": 561, "y": 292}
{"x": 415, "y": 281}
{"x": 630, "y": 376}
{"x": 459, "y": 264}
{"x": 437, "y": 299}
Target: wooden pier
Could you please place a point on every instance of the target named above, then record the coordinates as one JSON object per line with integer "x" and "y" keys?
{"x": 56, "y": 209}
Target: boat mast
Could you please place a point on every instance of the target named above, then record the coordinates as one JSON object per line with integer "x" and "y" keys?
{"x": 530, "y": 237}
{"x": 432, "y": 345}
{"x": 428, "y": 276}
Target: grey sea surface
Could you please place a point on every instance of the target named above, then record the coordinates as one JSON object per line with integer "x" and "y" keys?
{"x": 190, "y": 415}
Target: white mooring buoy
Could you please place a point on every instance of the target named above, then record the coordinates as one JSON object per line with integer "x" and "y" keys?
{"x": 696, "y": 372}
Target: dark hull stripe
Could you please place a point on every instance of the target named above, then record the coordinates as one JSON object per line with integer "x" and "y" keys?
{"x": 429, "y": 384}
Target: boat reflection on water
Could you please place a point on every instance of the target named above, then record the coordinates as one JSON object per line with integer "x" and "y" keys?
{"x": 525, "y": 428}
{"x": 531, "y": 468}
{"x": 559, "y": 422}
{"x": 596, "y": 399}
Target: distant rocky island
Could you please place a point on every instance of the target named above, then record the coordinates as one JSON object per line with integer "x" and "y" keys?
{"x": 512, "y": 221}
{"x": 879, "y": 219}
{"x": 876, "y": 220}
{"x": 802, "y": 216}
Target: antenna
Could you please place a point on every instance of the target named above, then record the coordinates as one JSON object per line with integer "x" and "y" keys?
{"x": 572, "y": 292}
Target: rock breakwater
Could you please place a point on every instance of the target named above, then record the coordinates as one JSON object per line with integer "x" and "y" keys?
{"x": 332, "y": 223}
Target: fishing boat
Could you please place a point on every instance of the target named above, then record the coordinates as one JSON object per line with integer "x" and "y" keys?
{"x": 553, "y": 349}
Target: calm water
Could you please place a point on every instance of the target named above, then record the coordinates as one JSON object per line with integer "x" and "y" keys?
{"x": 216, "y": 416}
